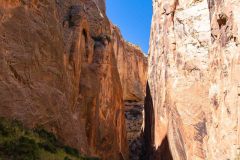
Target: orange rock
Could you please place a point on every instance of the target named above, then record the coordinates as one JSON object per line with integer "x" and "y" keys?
{"x": 193, "y": 80}
{"x": 132, "y": 67}
{"x": 59, "y": 70}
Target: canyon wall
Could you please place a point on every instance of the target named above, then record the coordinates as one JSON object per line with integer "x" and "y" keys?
{"x": 132, "y": 66}
{"x": 59, "y": 71}
{"x": 192, "y": 104}
{"x": 101, "y": 5}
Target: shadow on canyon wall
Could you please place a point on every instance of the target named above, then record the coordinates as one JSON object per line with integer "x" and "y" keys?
{"x": 151, "y": 153}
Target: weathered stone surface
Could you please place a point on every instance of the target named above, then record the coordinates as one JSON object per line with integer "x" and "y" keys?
{"x": 193, "y": 98}
{"x": 58, "y": 70}
{"x": 132, "y": 67}
{"x": 134, "y": 114}
{"x": 101, "y": 4}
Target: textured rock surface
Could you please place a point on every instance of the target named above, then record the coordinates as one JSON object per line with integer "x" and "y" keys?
{"x": 101, "y": 4}
{"x": 193, "y": 94}
{"x": 134, "y": 114}
{"x": 59, "y": 71}
{"x": 132, "y": 67}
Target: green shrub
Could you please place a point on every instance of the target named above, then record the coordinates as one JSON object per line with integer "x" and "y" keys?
{"x": 20, "y": 143}
{"x": 71, "y": 151}
{"x": 6, "y": 129}
{"x": 22, "y": 149}
{"x": 91, "y": 158}
{"x": 9, "y": 128}
{"x": 66, "y": 158}
{"x": 48, "y": 147}
{"x": 3, "y": 130}
{"x": 50, "y": 137}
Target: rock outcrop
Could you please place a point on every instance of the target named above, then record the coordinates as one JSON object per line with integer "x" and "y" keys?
{"x": 63, "y": 65}
{"x": 53, "y": 74}
{"x": 101, "y": 5}
{"x": 192, "y": 105}
{"x": 132, "y": 67}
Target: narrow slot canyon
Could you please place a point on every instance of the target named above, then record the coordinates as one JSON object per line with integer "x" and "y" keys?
{"x": 72, "y": 86}
{"x": 134, "y": 114}
{"x": 140, "y": 127}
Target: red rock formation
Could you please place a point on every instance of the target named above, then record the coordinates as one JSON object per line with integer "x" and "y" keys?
{"x": 59, "y": 71}
{"x": 132, "y": 67}
{"x": 101, "y": 4}
{"x": 193, "y": 97}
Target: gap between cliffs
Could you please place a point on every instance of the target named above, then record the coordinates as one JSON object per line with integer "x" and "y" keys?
{"x": 140, "y": 124}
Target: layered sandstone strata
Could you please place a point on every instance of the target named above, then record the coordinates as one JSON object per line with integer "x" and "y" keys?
{"x": 192, "y": 105}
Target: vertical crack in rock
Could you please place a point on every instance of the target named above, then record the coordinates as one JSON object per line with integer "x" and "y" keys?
{"x": 149, "y": 123}
{"x": 211, "y": 7}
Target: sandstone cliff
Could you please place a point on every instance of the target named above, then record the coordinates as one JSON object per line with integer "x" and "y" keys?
{"x": 192, "y": 104}
{"x": 132, "y": 67}
{"x": 101, "y": 5}
{"x": 60, "y": 70}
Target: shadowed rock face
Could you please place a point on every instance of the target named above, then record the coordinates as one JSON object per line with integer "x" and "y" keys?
{"x": 194, "y": 79}
{"x": 59, "y": 70}
{"x": 134, "y": 125}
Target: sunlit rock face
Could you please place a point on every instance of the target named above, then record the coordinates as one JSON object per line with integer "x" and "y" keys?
{"x": 58, "y": 70}
{"x": 132, "y": 67}
{"x": 194, "y": 66}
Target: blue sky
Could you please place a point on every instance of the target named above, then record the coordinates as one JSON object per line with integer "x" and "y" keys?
{"x": 133, "y": 17}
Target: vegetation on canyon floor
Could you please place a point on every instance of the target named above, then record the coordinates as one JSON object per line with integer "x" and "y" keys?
{"x": 20, "y": 143}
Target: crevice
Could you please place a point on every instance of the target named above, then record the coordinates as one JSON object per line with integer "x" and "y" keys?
{"x": 211, "y": 7}
{"x": 84, "y": 40}
{"x": 149, "y": 123}
{"x": 16, "y": 75}
{"x": 163, "y": 152}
